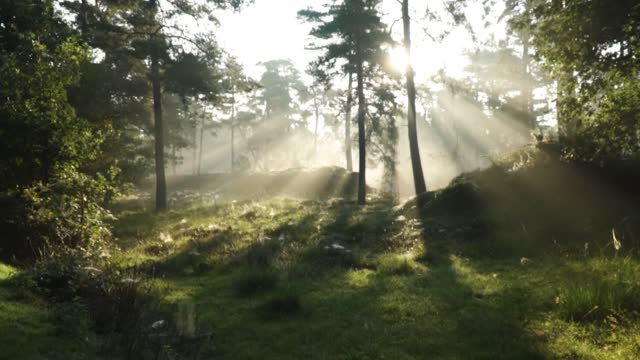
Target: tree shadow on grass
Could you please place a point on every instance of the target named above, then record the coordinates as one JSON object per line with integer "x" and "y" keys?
{"x": 352, "y": 311}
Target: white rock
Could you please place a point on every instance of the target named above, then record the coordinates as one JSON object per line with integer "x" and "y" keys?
{"x": 166, "y": 238}
{"x": 158, "y": 324}
{"x": 525, "y": 261}
{"x": 401, "y": 218}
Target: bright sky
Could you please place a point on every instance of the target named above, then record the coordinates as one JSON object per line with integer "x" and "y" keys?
{"x": 270, "y": 29}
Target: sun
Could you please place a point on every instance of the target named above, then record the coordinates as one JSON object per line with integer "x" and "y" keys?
{"x": 398, "y": 58}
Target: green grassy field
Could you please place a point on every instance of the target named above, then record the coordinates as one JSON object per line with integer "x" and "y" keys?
{"x": 265, "y": 279}
{"x": 461, "y": 277}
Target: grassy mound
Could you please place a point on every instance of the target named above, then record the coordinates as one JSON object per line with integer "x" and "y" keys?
{"x": 514, "y": 262}
{"x": 533, "y": 204}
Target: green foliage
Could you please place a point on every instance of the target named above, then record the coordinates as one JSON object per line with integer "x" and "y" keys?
{"x": 601, "y": 294}
{"x": 47, "y": 198}
{"x": 591, "y": 48}
{"x": 609, "y": 131}
{"x": 65, "y": 212}
{"x": 120, "y": 305}
{"x": 40, "y": 133}
{"x": 343, "y": 28}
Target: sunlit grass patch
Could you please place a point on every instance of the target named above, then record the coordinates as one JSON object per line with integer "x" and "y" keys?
{"x": 29, "y": 329}
{"x": 399, "y": 264}
{"x": 394, "y": 287}
{"x": 602, "y": 288}
{"x": 6, "y": 271}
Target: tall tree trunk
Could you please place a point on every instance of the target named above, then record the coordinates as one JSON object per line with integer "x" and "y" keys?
{"x": 315, "y": 132}
{"x": 84, "y": 22}
{"x": 347, "y": 124}
{"x": 194, "y": 138}
{"x": 233, "y": 129}
{"x": 416, "y": 164}
{"x": 161, "y": 181}
{"x": 174, "y": 162}
{"x": 564, "y": 89}
{"x": 362, "y": 155}
{"x": 527, "y": 91}
{"x": 201, "y": 137}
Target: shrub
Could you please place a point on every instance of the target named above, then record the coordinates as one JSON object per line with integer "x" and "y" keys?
{"x": 63, "y": 212}
{"x": 120, "y": 305}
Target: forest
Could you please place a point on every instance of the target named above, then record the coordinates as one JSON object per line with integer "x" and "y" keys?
{"x": 319, "y": 179}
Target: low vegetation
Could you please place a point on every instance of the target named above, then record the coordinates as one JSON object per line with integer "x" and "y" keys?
{"x": 446, "y": 276}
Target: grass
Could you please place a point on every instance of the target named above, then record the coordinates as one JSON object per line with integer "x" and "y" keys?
{"x": 254, "y": 281}
{"x": 291, "y": 279}
{"x": 32, "y": 329}
{"x": 607, "y": 289}
{"x": 275, "y": 290}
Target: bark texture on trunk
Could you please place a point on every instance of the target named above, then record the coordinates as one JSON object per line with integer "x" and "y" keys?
{"x": 362, "y": 155}
{"x": 527, "y": 90}
{"x": 161, "y": 181}
{"x": 233, "y": 129}
{"x": 347, "y": 124}
{"x": 315, "y": 131}
{"x": 200, "y": 145}
{"x": 416, "y": 163}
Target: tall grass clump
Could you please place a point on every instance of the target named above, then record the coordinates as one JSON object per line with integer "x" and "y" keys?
{"x": 612, "y": 289}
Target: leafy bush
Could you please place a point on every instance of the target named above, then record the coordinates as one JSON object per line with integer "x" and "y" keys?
{"x": 609, "y": 130}
{"x": 63, "y": 212}
{"x": 120, "y": 305}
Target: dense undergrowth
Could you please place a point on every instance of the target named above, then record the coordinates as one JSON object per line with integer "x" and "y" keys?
{"x": 529, "y": 259}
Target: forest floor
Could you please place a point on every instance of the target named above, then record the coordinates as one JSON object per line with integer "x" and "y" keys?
{"x": 456, "y": 276}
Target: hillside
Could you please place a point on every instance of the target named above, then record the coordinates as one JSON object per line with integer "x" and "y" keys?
{"x": 491, "y": 267}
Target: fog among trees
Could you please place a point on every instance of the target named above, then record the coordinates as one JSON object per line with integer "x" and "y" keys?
{"x": 395, "y": 179}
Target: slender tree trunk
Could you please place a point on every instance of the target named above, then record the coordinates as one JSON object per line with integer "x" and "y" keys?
{"x": 563, "y": 89}
{"x": 194, "y": 137}
{"x": 173, "y": 160}
{"x": 362, "y": 166}
{"x": 315, "y": 132}
{"x": 233, "y": 129}
{"x": 527, "y": 91}
{"x": 84, "y": 22}
{"x": 161, "y": 181}
{"x": 416, "y": 164}
{"x": 201, "y": 137}
{"x": 347, "y": 124}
